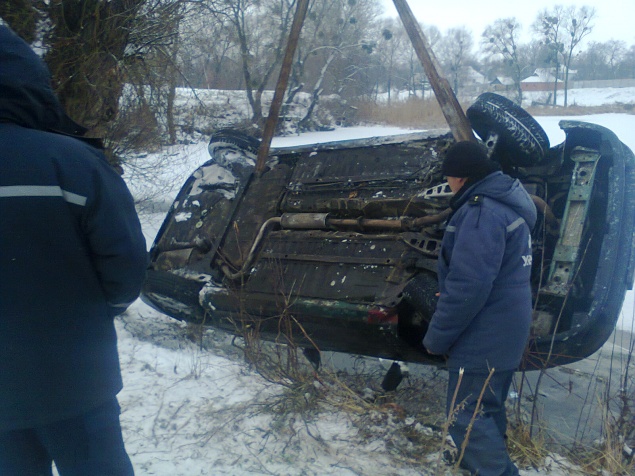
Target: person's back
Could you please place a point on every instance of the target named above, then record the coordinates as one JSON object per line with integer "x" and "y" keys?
{"x": 72, "y": 256}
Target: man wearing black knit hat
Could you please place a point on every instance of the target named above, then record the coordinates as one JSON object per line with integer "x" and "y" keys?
{"x": 484, "y": 310}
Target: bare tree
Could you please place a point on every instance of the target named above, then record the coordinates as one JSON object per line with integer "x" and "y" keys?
{"x": 210, "y": 52}
{"x": 407, "y": 66}
{"x": 577, "y": 26}
{"x": 433, "y": 35}
{"x": 601, "y": 60}
{"x": 388, "y": 52}
{"x": 562, "y": 30}
{"x": 550, "y": 25}
{"x": 92, "y": 48}
{"x": 455, "y": 52}
{"x": 261, "y": 29}
{"x": 627, "y": 66}
{"x": 616, "y": 52}
{"x": 501, "y": 38}
{"x": 332, "y": 29}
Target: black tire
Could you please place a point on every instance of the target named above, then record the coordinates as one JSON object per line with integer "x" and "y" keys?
{"x": 522, "y": 141}
{"x": 173, "y": 295}
{"x": 233, "y": 138}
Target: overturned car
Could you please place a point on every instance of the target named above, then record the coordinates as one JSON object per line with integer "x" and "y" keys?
{"x": 318, "y": 248}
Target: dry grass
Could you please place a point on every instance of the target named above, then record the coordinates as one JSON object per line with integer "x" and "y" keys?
{"x": 413, "y": 112}
{"x": 608, "y": 459}
{"x": 407, "y": 420}
{"x": 608, "y": 456}
{"x": 410, "y": 421}
{"x": 580, "y": 110}
{"x": 426, "y": 113}
{"x": 526, "y": 449}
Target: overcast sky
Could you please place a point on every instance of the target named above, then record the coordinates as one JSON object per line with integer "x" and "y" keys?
{"x": 614, "y": 19}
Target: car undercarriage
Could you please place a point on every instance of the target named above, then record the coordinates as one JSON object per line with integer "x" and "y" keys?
{"x": 319, "y": 248}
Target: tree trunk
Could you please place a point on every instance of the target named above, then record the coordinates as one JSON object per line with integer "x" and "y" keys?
{"x": 566, "y": 77}
{"x": 21, "y": 17}
{"x": 519, "y": 94}
{"x": 88, "y": 41}
{"x": 315, "y": 97}
{"x": 555, "y": 84}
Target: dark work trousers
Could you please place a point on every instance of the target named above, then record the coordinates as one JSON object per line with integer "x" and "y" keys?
{"x": 87, "y": 445}
{"x": 486, "y": 452}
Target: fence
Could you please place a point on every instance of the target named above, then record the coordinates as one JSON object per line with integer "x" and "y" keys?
{"x": 603, "y": 83}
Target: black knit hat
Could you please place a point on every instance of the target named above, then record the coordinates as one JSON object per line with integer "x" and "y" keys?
{"x": 466, "y": 159}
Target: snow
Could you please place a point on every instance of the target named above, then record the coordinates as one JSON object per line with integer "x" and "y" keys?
{"x": 585, "y": 97}
{"x": 189, "y": 411}
{"x": 199, "y": 409}
{"x": 340, "y": 133}
{"x": 575, "y": 97}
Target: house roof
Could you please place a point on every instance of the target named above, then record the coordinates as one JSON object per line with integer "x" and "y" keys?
{"x": 541, "y": 76}
{"x": 504, "y": 80}
{"x": 475, "y": 76}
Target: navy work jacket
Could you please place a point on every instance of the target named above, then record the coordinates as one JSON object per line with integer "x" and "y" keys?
{"x": 484, "y": 310}
{"x": 72, "y": 254}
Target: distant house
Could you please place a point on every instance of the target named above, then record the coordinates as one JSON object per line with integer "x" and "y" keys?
{"x": 474, "y": 77}
{"x": 473, "y": 82}
{"x": 501, "y": 83}
{"x": 541, "y": 80}
{"x": 550, "y": 72}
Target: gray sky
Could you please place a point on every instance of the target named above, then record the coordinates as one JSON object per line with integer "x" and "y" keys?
{"x": 614, "y": 19}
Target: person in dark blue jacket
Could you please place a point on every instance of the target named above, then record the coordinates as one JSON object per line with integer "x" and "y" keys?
{"x": 484, "y": 310}
{"x": 72, "y": 257}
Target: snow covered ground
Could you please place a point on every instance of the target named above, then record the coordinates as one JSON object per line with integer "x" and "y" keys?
{"x": 585, "y": 97}
{"x": 575, "y": 97}
{"x": 188, "y": 410}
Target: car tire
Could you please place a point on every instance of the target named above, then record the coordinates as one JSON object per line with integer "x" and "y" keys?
{"x": 521, "y": 140}
{"x": 159, "y": 289}
{"x": 233, "y": 138}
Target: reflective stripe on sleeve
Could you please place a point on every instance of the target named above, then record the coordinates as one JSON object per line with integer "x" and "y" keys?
{"x": 42, "y": 191}
{"x": 515, "y": 225}
{"x": 122, "y": 305}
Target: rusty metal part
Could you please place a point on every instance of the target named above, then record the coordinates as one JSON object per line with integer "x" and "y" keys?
{"x": 545, "y": 209}
{"x": 203, "y": 245}
{"x": 252, "y": 253}
{"x": 431, "y": 219}
{"x": 321, "y": 221}
{"x": 306, "y": 221}
{"x": 362, "y": 224}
